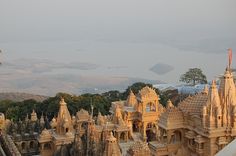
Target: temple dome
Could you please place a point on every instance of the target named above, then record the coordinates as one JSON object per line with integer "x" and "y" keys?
{"x": 147, "y": 94}
{"x": 147, "y": 91}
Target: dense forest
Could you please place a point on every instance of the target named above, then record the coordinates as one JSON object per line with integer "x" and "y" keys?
{"x": 49, "y": 107}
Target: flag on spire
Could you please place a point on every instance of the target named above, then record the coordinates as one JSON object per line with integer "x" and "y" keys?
{"x": 230, "y": 56}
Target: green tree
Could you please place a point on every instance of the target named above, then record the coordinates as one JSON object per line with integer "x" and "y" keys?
{"x": 13, "y": 113}
{"x": 193, "y": 76}
{"x": 136, "y": 87}
{"x": 5, "y": 104}
{"x": 113, "y": 95}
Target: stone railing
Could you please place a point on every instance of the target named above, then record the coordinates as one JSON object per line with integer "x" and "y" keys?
{"x": 25, "y": 137}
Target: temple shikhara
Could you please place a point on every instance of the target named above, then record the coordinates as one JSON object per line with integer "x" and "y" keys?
{"x": 200, "y": 125}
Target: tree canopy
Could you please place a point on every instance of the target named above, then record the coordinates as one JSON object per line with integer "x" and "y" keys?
{"x": 194, "y": 76}
{"x": 136, "y": 87}
{"x": 49, "y": 107}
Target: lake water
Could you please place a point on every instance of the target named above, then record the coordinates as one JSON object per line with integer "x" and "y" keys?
{"x": 119, "y": 59}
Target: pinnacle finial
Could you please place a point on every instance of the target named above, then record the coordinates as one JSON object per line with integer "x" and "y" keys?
{"x": 62, "y": 98}
{"x": 62, "y": 101}
{"x": 169, "y": 104}
{"x": 230, "y": 57}
{"x": 205, "y": 90}
{"x": 213, "y": 83}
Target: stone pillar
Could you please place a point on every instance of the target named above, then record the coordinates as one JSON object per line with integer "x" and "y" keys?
{"x": 213, "y": 149}
{"x": 118, "y": 138}
{"x": 169, "y": 135}
{"x": 144, "y": 131}
{"x": 126, "y": 136}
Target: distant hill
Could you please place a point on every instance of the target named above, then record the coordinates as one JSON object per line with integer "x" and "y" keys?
{"x": 17, "y": 97}
{"x": 161, "y": 68}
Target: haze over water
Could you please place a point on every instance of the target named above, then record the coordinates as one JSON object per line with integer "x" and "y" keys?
{"x": 119, "y": 59}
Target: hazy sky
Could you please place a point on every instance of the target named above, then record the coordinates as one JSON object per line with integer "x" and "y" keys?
{"x": 121, "y": 20}
{"x": 133, "y": 34}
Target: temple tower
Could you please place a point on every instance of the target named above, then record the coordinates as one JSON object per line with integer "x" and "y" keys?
{"x": 64, "y": 123}
{"x": 131, "y": 100}
{"x": 111, "y": 146}
{"x": 33, "y": 117}
{"x": 227, "y": 96}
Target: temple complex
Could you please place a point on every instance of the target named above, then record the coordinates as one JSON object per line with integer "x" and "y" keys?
{"x": 200, "y": 125}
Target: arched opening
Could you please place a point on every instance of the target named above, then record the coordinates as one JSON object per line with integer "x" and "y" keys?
{"x": 151, "y": 132}
{"x": 67, "y": 129}
{"x": 150, "y": 107}
{"x": 84, "y": 125}
{"x": 23, "y": 146}
{"x": 136, "y": 126}
{"x": 47, "y": 146}
{"x": 31, "y": 145}
{"x": 122, "y": 136}
{"x": 176, "y": 137}
{"x": 163, "y": 135}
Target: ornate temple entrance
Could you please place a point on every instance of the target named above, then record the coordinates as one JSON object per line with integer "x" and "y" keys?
{"x": 137, "y": 126}
{"x": 151, "y": 132}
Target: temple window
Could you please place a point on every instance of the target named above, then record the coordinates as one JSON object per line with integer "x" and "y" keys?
{"x": 201, "y": 146}
{"x": 122, "y": 136}
{"x": 191, "y": 142}
{"x": 150, "y": 107}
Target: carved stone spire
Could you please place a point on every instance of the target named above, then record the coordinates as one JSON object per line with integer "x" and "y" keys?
{"x": 117, "y": 115}
{"x": 169, "y": 104}
{"x": 111, "y": 146}
{"x": 131, "y": 100}
{"x": 227, "y": 86}
{"x": 227, "y": 95}
{"x": 33, "y": 116}
{"x": 27, "y": 118}
{"x": 213, "y": 96}
{"x": 64, "y": 123}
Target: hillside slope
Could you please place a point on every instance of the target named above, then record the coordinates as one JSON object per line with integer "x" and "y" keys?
{"x": 15, "y": 96}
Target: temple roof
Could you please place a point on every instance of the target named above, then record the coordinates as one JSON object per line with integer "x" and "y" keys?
{"x": 83, "y": 115}
{"x": 139, "y": 148}
{"x": 45, "y": 136}
{"x": 111, "y": 148}
{"x": 172, "y": 118}
{"x": 147, "y": 92}
{"x": 194, "y": 104}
